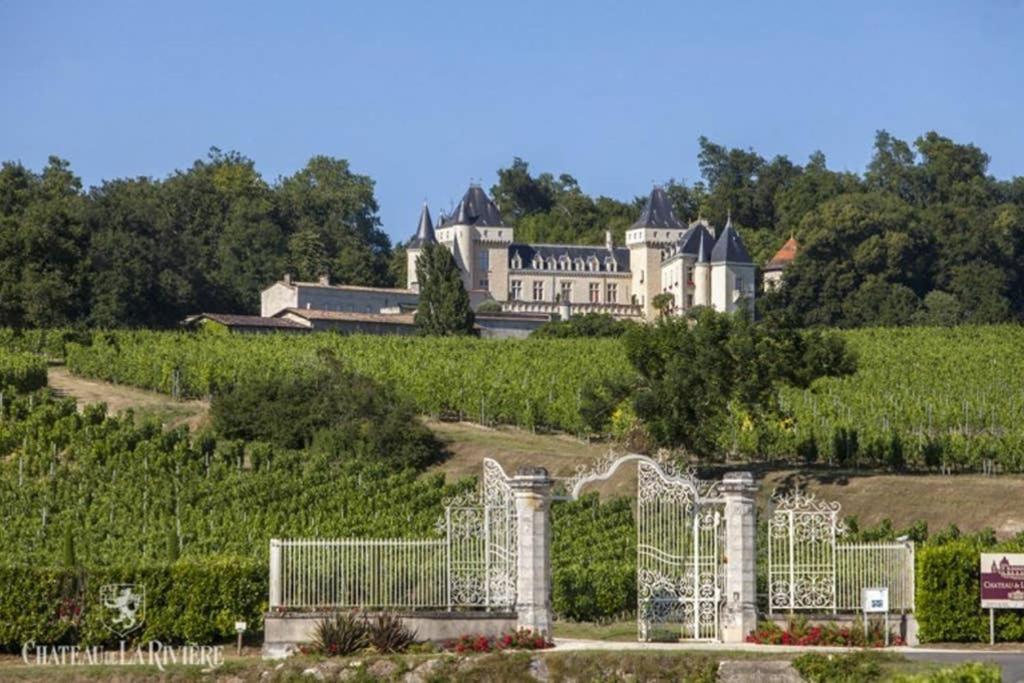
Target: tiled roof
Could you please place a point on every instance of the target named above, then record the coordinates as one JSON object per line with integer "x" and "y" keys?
{"x": 353, "y": 288}
{"x": 232, "y": 320}
{"x": 784, "y": 256}
{"x": 352, "y": 316}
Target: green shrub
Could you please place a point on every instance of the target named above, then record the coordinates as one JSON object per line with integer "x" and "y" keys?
{"x": 194, "y": 601}
{"x": 968, "y": 672}
{"x": 948, "y": 598}
{"x": 331, "y": 409}
{"x": 24, "y": 372}
{"x": 340, "y": 634}
{"x": 857, "y": 667}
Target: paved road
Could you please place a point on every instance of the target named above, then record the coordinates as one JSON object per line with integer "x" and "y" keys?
{"x": 1012, "y": 663}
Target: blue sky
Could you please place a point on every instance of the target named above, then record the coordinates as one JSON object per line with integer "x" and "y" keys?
{"x": 425, "y": 96}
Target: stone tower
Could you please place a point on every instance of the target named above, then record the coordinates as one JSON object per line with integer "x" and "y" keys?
{"x": 732, "y": 272}
{"x": 656, "y": 230}
{"x": 424, "y": 236}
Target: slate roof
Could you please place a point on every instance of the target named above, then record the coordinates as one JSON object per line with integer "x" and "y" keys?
{"x": 424, "y": 232}
{"x": 694, "y": 237}
{"x": 526, "y": 252}
{"x": 784, "y": 256}
{"x": 729, "y": 247}
{"x": 658, "y": 212}
{"x": 476, "y": 208}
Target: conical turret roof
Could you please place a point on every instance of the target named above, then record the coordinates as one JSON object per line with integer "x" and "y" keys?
{"x": 475, "y": 208}
{"x": 730, "y": 247}
{"x": 658, "y": 212}
{"x": 784, "y": 256}
{"x": 424, "y": 232}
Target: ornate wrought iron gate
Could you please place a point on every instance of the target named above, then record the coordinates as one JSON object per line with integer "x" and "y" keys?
{"x": 809, "y": 568}
{"x": 680, "y": 571}
{"x": 680, "y": 548}
{"x": 481, "y": 545}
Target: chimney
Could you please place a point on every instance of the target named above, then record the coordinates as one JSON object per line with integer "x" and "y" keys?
{"x": 325, "y": 280}
{"x": 608, "y": 240}
{"x": 287, "y": 278}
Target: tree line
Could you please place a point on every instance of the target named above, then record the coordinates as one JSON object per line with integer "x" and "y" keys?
{"x": 146, "y": 252}
{"x": 924, "y": 236}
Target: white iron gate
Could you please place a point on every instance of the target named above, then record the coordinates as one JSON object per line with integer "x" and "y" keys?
{"x": 471, "y": 564}
{"x": 809, "y": 568}
{"x": 680, "y": 572}
{"x": 680, "y": 524}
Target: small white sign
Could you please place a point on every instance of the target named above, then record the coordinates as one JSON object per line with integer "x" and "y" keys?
{"x": 875, "y": 600}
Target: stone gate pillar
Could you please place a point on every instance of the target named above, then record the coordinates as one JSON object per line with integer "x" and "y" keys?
{"x": 740, "y": 612}
{"x": 531, "y": 487}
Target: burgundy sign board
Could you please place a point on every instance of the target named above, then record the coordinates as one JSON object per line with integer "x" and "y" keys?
{"x": 1002, "y": 580}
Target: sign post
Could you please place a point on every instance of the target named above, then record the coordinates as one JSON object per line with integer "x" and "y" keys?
{"x": 1002, "y": 585}
{"x": 876, "y": 601}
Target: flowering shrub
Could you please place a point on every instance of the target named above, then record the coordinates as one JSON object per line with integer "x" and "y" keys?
{"x": 799, "y": 632}
{"x": 523, "y": 639}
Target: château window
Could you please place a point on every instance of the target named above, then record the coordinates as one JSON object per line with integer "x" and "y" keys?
{"x": 566, "y": 292}
{"x": 578, "y": 264}
{"x": 689, "y": 300}
{"x": 485, "y": 283}
{"x": 595, "y": 293}
{"x": 483, "y": 261}
{"x": 739, "y": 284}
{"x": 517, "y": 261}
{"x": 538, "y": 263}
{"x": 517, "y": 290}
{"x": 612, "y": 295}
{"x": 538, "y": 290}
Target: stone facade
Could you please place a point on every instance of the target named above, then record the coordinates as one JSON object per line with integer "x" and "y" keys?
{"x": 660, "y": 256}
{"x": 322, "y": 296}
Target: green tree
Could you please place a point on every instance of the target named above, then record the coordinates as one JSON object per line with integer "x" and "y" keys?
{"x": 693, "y": 372}
{"x": 327, "y": 199}
{"x": 663, "y": 303}
{"x": 444, "y": 304}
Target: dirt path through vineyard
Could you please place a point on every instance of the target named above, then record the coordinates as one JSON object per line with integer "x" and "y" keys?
{"x": 120, "y": 398}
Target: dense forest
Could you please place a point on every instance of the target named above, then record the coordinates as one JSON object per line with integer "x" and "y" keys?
{"x": 924, "y": 236}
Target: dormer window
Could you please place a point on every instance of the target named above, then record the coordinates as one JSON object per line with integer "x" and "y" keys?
{"x": 578, "y": 264}
{"x": 592, "y": 263}
{"x": 517, "y": 261}
{"x": 552, "y": 264}
{"x": 538, "y": 263}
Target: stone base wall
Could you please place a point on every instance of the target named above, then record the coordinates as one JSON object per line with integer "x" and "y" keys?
{"x": 284, "y": 632}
